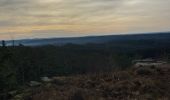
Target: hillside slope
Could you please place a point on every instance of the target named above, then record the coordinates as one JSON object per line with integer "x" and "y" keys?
{"x": 144, "y": 83}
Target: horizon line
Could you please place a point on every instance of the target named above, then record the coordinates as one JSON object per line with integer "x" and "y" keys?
{"x": 66, "y": 37}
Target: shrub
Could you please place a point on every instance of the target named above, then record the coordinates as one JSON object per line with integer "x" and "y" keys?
{"x": 144, "y": 71}
{"x": 77, "y": 95}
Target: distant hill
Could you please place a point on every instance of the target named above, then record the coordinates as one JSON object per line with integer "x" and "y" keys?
{"x": 94, "y": 39}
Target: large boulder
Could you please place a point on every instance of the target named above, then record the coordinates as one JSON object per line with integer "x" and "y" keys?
{"x": 46, "y": 79}
{"x": 34, "y": 83}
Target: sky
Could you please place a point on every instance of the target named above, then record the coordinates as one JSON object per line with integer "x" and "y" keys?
{"x": 22, "y": 19}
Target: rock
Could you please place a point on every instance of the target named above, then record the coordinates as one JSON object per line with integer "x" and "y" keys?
{"x": 18, "y": 97}
{"x": 12, "y": 93}
{"x": 34, "y": 83}
{"x": 46, "y": 79}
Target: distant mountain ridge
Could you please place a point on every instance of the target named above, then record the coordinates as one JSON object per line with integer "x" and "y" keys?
{"x": 92, "y": 39}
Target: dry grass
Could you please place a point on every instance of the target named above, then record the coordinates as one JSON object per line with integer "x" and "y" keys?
{"x": 136, "y": 84}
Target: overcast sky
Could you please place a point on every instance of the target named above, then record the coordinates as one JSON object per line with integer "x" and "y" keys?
{"x": 65, "y": 18}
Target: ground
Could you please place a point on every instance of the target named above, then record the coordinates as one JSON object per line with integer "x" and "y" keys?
{"x": 143, "y": 83}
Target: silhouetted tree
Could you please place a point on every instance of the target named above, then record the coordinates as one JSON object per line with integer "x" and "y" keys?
{"x": 20, "y": 44}
{"x": 3, "y": 43}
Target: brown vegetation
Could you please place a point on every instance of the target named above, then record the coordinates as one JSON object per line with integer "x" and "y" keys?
{"x": 148, "y": 83}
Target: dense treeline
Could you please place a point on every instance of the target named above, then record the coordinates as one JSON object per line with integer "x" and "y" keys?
{"x": 21, "y": 64}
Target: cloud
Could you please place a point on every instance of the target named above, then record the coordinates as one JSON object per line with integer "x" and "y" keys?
{"x": 82, "y": 16}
